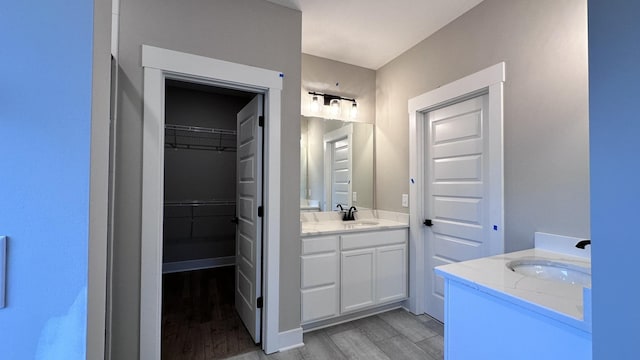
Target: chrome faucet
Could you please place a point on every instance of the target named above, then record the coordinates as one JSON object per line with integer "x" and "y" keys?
{"x": 582, "y": 243}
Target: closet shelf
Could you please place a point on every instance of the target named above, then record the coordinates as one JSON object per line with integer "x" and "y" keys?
{"x": 223, "y": 210}
{"x": 199, "y": 138}
{"x": 197, "y": 203}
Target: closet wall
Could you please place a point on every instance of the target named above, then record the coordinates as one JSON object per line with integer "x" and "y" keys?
{"x": 200, "y": 173}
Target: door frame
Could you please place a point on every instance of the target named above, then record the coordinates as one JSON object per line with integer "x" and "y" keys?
{"x": 491, "y": 81}
{"x": 160, "y": 64}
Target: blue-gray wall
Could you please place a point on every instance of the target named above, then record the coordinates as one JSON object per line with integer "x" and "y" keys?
{"x": 614, "y": 125}
{"x": 45, "y": 130}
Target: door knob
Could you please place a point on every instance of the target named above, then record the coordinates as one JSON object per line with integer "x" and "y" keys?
{"x": 428, "y": 222}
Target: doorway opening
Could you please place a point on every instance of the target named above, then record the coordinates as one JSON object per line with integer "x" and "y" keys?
{"x": 162, "y": 64}
{"x": 207, "y": 287}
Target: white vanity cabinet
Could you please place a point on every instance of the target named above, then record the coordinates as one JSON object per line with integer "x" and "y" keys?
{"x": 374, "y": 268}
{"x": 352, "y": 271}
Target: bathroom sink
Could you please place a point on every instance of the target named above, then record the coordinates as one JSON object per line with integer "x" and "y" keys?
{"x": 360, "y": 223}
{"x": 552, "y": 270}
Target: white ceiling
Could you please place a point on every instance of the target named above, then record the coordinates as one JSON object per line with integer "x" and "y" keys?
{"x": 370, "y": 33}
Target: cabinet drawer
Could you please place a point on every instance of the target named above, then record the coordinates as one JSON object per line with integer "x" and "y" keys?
{"x": 320, "y": 269}
{"x": 314, "y": 245}
{"x": 319, "y": 303}
{"x": 373, "y": 239}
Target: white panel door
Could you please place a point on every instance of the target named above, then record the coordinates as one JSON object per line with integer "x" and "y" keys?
{"x": 340, "y": 173}
{"x": 457, "y": 191}
{"x": 249, "y": 232}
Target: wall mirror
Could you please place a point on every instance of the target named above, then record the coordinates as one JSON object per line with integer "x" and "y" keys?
{"x": 336, "y": 164}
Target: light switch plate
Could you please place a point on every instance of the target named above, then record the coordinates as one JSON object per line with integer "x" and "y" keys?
{"x": 3, "y": 269}
{"x": 355, "y": 196}
{"x": 405, "y": 200}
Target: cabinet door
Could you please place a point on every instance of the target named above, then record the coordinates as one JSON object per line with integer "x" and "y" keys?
{"x": 391, "y": 273}
{"x": 357, "y": 287}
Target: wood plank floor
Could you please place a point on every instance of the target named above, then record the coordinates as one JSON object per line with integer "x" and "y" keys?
{"x": 199, "y": 320}
{"x": 394, "y": 335}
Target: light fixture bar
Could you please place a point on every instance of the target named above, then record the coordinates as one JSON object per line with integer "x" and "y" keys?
{"x": 328, "y": 97}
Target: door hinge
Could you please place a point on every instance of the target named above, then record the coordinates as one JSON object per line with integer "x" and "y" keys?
{"x": 259, "y": 303}
{"x": 260, "y": 211}
{"x": 261, "y": 121}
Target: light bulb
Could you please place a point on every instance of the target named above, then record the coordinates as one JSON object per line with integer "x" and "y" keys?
{"x": 315, "y": 104}
{"x": 335, "y": 107}
{"x": 354, "y": 110}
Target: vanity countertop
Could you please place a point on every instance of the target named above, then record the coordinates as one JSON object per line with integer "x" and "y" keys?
{"x": 554, "y": 299}
{"x": 341, "y": 227}
{"x": 327, "y": 223}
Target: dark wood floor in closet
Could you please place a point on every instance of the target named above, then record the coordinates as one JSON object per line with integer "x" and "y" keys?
{"x": 199, "y": 320}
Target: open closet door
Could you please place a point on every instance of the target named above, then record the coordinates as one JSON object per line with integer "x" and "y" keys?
{"x": 249, "y": 231}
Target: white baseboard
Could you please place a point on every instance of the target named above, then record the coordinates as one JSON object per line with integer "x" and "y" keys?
{"x": 199, "y": 264}
{"x": 316, "y": 325}
{"x": 290, "y": 339}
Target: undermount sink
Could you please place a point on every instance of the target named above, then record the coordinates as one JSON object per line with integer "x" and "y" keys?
{"x": 360, "y": 223}
{"x": 552, "y": 270}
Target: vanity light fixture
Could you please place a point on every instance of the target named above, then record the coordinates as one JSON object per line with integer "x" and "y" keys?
{"x": 333, "y": 101}
{"x": 335, "y": 107}
{"x": 315, "y": 104}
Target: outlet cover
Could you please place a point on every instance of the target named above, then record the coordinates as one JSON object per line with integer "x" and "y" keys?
{"x": 405, "y": 200}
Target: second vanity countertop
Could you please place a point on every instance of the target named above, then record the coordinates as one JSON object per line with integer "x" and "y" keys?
{"x": 561, "y": 301}
{"x": 327, "y": 223}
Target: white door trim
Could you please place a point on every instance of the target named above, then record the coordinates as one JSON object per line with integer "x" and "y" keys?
{"x": 159, "y": 64}
{"x": 491, "y": 81}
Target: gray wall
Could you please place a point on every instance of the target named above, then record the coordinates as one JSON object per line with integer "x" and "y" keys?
{"x": 315, "y": 159}
{"x": 322, "y": 75}
{"x": 99, "y": 179}
{"x": 544, "y": 45}
{"x": 252, "y": 32}
{"x": 362, "y": 177}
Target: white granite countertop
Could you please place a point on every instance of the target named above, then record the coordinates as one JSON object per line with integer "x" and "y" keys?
{"x": 558, "y": 300}
{"x": 327, "y": 223}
